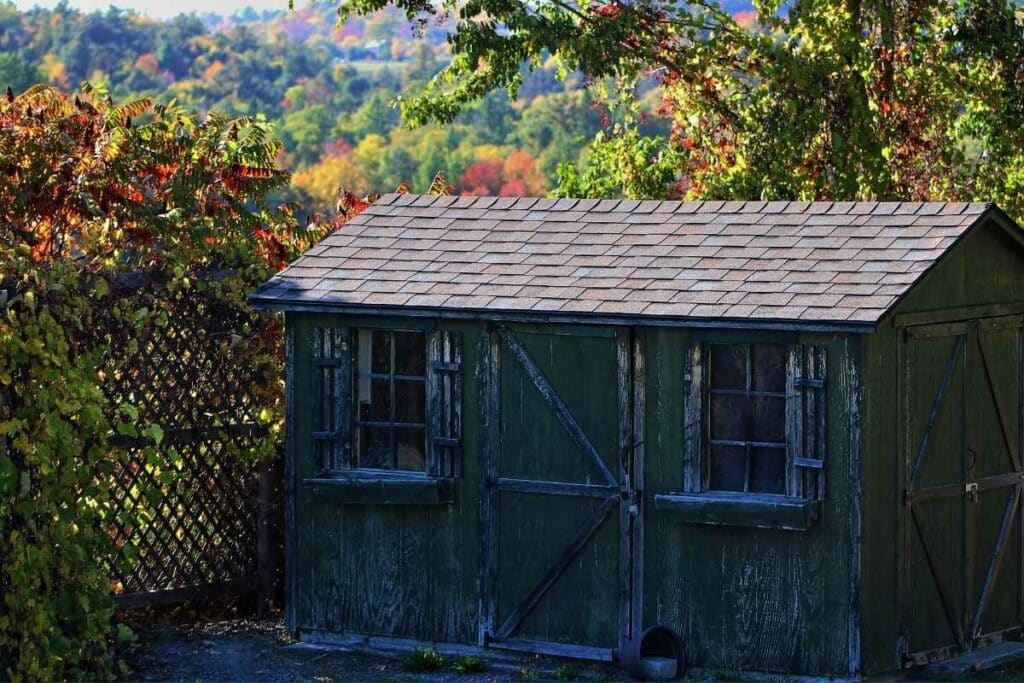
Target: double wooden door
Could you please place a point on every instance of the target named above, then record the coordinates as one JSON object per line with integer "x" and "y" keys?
{"x": 563, "y": 474}
{"x": 961, "y": 560}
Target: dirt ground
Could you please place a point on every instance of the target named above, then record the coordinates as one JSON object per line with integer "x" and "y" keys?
{"x": 257, "y": 651}
{"x": 185, "y": 648}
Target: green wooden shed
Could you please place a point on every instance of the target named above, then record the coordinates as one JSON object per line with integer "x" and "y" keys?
{"x": 774, "y": 436}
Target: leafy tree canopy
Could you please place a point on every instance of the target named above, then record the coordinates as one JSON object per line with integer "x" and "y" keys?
{"x": 815, "y": 99}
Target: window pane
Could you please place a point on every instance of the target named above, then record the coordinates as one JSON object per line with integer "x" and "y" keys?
{"x": 730, "y": 417}
{"x": 381, "y": 355}
{"x": 378, "y": 409}
{"x": 728, "y": 366}
{"x": 728, "y": 468}
{"x": 769, "y": 419}
{"x": 768, "y": 470}
{"x": 411, "y": 447}
{"x": 410, "y": 353}
{"x": 410, "y": 397}
{"x": 375, "y": 447}
{"x": 768, "y": 367}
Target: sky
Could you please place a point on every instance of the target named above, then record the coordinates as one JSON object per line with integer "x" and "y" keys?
{"x": 167, "y": 8}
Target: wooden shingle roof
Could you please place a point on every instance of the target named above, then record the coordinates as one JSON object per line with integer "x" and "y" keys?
{"x": 841, "y": 262}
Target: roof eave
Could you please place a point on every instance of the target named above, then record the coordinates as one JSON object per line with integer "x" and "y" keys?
{"x": 278, "y": 304}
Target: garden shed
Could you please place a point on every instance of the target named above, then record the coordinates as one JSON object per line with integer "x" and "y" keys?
{"x": 784, "y": 436}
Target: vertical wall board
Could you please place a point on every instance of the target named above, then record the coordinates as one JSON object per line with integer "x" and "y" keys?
{"x": 292, "y": 326}
{"x": 403, "y": 571}
{"x": 881, "y": 455}
{"x": 779, "y": 601}
{"x": 302, "y": 466}
{"x": 455, "y": 554}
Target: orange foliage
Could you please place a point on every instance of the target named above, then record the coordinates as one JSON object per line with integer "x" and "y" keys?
{"x": 522, "y": 177}
{"x": 211, "y": 72}
{"x": 482, "y": 178}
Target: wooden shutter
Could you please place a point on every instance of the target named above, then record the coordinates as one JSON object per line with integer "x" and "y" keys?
{"x": 444, "y": 403}
{"x": 331, "y": 397}
{"x": 805, "y": 421}
{"x": 694, "y": 461}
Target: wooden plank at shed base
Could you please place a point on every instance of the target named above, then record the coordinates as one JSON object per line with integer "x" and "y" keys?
{"x": 315, "y": 644}
{"x": 540, "y": 647}
{"x": 171, "y": 596}
{"x": 983, "y": 659}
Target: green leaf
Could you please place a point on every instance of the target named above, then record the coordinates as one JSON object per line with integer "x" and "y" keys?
{"x": 156, "y": 433}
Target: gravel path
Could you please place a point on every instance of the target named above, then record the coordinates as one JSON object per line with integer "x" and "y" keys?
{"x": 256, "y": 651}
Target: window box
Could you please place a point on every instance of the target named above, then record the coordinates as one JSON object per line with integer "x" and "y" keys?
{"x": 366, "y": 488}
{"x": 726, "y": 508}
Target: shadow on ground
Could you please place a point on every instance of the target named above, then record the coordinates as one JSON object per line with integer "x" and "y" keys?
{"x": 253, "y": 650}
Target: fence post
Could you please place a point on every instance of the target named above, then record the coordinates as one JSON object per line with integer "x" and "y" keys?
{"x": 266, "y": 537}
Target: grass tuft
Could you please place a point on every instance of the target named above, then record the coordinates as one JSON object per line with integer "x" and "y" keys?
{"x": 470, "y": 665}
{"x": 565, "y": 673}
{"x": 422, "y": 660}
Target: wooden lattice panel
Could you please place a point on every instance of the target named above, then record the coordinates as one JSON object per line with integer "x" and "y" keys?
{"x": 185, "y": 522}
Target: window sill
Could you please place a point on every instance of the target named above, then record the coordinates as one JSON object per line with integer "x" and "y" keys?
{"x": 722, "y": 508}
{"x": 373, "y": 489}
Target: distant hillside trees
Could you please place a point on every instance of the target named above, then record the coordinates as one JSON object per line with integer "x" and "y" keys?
{"x": 339, "y": 118}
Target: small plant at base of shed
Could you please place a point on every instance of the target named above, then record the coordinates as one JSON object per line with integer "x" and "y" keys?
{"x": 525, "y": 674}
{"x": 422, "y": 660}
{"x": 565, "y": 673}
{"x": 470, "y": 665}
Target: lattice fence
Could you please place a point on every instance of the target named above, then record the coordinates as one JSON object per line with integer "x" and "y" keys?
{"x": 191, "y": 516}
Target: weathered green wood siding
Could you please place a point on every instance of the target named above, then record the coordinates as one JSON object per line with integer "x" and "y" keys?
{"x": 753, "y": 598}
{"x": 984, "y": 269}
{"x": 406, "y": 571}
{"x": 880, "y": 459}
{"x": 742, "y": 598}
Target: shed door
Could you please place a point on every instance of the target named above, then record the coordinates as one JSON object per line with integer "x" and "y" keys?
{"x": 961, "y": 566}
{"x": 561, "y": 482}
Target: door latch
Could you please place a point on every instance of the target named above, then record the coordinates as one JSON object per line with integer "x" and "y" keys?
{"x": 631, "y": 497}
{"x": 971, "y": 489}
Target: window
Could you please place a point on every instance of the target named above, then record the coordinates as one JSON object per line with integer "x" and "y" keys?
{"x": 756, "y": 419}
{"x": 387, "y": 402}
{"x": 747, "y": 418}
{"x": 391, "y": 417}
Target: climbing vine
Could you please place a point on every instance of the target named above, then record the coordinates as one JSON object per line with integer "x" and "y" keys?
{"x": 94, "y": 193}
